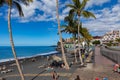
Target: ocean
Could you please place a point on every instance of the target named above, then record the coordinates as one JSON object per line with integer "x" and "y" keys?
{"x": 116, "y": 47}
{"x": 25, "y": 51}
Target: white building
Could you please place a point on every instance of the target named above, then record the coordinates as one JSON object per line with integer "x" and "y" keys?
{"x": 111, "y": 36}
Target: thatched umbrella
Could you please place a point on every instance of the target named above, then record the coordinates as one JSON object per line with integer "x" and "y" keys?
{"x": 56, "y": 58}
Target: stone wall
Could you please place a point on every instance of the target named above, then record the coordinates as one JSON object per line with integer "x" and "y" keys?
{"x": 110, "y": 54}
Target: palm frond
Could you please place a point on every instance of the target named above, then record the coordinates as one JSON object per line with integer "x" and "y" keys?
{"x": 18, "y": 8}
{"x": 66, "y": 19}
{"x": 63, "y": 30}
{"x": 88, "y": 14}
{"x": 63, "y": 26}
{"x": 72, "y": 11}
{"x": 26, "y": 2}
{"x": 71, "y": 6}
{"x": 77, "y": 3}
{"x": 69, "y": 18}
{"x": 84, "y": 2}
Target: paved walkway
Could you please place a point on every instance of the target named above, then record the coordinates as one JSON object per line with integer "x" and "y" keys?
{"x": 101, "y": 60}
{"x": 101, "y": 68}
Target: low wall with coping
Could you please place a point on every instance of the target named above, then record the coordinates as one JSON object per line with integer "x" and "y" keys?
{"x": 111, "y": 54}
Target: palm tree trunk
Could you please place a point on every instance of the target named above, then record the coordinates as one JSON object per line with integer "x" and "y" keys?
{"x": 79, "y": 40}
{"x": 75, "y": 52}
{"x": 60, "y": 35}
{"x": 12, "y": 43}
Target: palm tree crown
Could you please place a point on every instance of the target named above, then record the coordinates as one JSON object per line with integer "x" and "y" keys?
{"x": 16, "y": 4}
{"x": 78, "y": 8}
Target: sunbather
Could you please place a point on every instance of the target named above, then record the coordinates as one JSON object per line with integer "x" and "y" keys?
{"x": 116, "y": 66}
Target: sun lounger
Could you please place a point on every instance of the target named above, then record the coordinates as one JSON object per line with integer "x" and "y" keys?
{"x": 9, "y": 70}
{"x": 42, "y": 66}
{"x": 6, "y": 71}
{"x": 3, "y": 72}
{"x": 14, "y": 64}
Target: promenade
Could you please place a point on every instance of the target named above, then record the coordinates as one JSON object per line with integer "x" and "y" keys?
{"x": 102, "y": 67}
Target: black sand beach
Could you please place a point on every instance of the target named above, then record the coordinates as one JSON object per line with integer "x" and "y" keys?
{"x": 34, "y": 70}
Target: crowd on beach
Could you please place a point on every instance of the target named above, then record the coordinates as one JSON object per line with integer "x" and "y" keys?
{"x": 4, "y": 69}
{"x": 55, "y": 63}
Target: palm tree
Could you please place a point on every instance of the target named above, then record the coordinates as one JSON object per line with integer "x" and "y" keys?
{"x": 117, "y": 40}
{"x": 85, "y": 34}
{"x": 63, "y": 53}
{"x": 10, "y": 3}
{"x": 77, "y": 8}
{"x": 71, "y": 29}
{"x": 86, "y": 37}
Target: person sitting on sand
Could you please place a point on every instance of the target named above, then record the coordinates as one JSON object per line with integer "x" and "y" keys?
{"x": 97, "y": 78}
{"x": 105, "y": 78}
{"x": 77, "y": 78}
{"x": 55, "y": 76}
{"x": 116, "y": 66}
{"x": 33, "y": 59}
{"x": 4, "y": 67}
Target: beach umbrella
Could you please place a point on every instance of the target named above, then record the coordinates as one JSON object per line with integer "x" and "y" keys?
{"x": 56, "y": 58}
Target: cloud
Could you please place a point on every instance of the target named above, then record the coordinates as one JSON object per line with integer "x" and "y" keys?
{"x": 118, "y": 1}
{"x": 107, "y": 19}
{"x": 44, "y": 10}
{"x": 96, "y": 2}
{"x": 66, "y": 10}
{"x": 41, "y": 10}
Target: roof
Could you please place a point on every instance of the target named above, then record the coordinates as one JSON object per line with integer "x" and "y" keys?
{"x": 97, "y": 37}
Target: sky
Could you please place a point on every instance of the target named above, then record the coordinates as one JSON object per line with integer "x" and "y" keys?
{"x": 38, "y": 27}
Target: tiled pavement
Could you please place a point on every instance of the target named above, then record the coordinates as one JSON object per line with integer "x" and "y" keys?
{"x": 101, "y": 68}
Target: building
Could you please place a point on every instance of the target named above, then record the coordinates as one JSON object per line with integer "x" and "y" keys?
{"x": 69, "y": 40}
{"x": 97, "y": 38}
{"x": 111, "y": 36}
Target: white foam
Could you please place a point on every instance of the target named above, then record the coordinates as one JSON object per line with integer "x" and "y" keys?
{"x": 41, "y": 54}
{"x": 53, "y": 52}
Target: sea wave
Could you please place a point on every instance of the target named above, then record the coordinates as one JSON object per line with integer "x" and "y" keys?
{"x": 40, "y": 54}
